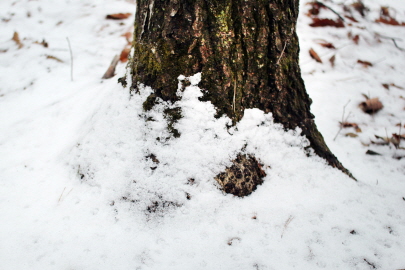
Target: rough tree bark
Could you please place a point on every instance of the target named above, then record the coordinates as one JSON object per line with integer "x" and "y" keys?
{"x": 247, "y": 51}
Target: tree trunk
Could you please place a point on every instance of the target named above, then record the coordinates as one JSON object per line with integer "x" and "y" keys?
{"x": 247, "y": 51}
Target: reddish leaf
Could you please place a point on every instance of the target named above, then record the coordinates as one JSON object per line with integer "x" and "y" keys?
{"x": 318, "y": 22}
{"x": 356, "y": 39}
{"x": 118, "y": 16}
{"x": 124, "y": 54}
{"x": 351, "y": 18}
{"x": 315, "y": 56}
{"x": 365, "y": 63}
{"x": 390, "y": 21}
{"x": 327, "y": 45}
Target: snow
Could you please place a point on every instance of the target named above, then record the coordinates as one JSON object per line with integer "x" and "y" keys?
{"x": 88, "y": 180}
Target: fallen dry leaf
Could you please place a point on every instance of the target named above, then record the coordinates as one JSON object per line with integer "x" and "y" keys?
{"x": 124, "y": 54}
{"x": 43, "y": 43}
{"x": 17, "y": 40}
{"x": 372, "y": 153}
{"x": 365, "y": 63}
{"x": 386, "y": 18}
{"x": 327, "y": 45}
{"x": 371, "y": 106}
{"x": 315, "y": 56}
{"x": 356, "y": 39}
{"x": 351, "y": 18}
{"x": 351, "y": 135}
{"x": 353, "y": 125}
{"x": 318, "y": 22}
{"x": 54, "y": 58}
{"x": 118, "y": 16}
{"x": 332, "y": 60}
{"x": 360, "y": 8}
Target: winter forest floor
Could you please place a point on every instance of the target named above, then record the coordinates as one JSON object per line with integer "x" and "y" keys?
{"x": 88, "y": 182}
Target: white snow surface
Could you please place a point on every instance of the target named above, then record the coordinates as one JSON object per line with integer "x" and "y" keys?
{"x": 88, "y": 180}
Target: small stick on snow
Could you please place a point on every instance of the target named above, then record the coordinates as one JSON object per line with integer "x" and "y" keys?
{"x": 111, "y": 69}
{"x": 60, "y": 197}
{"x": 393, "y": 40}
{"x": 343, "y": 120}
{"x": 322, "y": 4}
{"x": 288, "y": 221}
{"x": 71, "y": 59}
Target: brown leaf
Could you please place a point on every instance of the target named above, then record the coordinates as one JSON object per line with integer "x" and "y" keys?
{"x": 365, "y": 63}
{"x": 385, "y": 11}
{"x": 371, "y": 106}
{"x": 353, "y": 125}
{"x": 128, "y": 37}
{"x": 360, "y": 7}
{"x": 356, "y": 39}
{"x": 386, "y": 86}
{"x": 318, "y": 22}
{"x": 332, "y": 60}
{"x": 372, "y": 153}
{"x": 389, "y": 21}
{"x": 351, "y": 135}
{"x": 43, "y": 43}
{"x": 314, "y": 55}
{"x": 351, "y": 18}
{"x": 17, "y": 40}
{"x": 327, "y": 45}
{"x": 54, "y": 58}
{"x": 124, "y": 54}
{"x": 118, "y": 16}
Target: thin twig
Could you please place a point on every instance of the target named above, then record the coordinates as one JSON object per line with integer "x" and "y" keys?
{"x": 71, "y": 59}
{"x": 393, "y": 40}
{"x": 282, "y": 53}
{"x": 322, "y": 4}
{"x": 288, "y": 221}
{"x": 60, "y": 197}
{"x": 343, "y": 120}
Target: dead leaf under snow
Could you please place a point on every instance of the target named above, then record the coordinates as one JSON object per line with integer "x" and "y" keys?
{"x": 17, "y": 40}
{"x": 371, "y": 106}
{"x": 315, "y": 56}
{"x": 319, "y": 22}
{"x": 118, "y": 16}
{"x": 364, "y": 63}
{"x": 386, "y": 18}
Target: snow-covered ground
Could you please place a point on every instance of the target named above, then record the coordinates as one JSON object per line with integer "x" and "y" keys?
{"x": 88, "y": 181}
